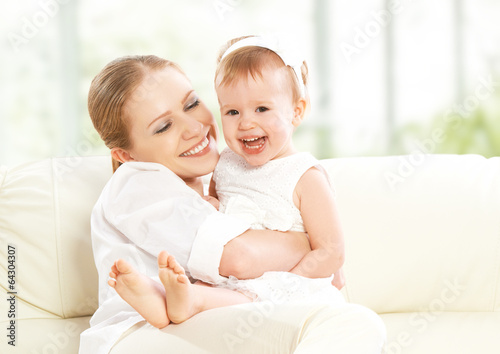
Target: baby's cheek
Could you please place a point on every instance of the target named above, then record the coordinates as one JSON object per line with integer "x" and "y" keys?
{"x": 280, "y": 126}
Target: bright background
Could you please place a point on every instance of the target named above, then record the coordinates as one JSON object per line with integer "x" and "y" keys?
{"x": 387, "y": 77}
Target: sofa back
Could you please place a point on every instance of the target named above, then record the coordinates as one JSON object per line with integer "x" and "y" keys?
{"x": 420, "y": 234}
{"x": 422, "y": 231}
{"x": 45, "y": 215}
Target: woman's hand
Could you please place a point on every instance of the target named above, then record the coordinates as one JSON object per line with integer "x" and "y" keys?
{"x": 257, "y": 251}
{"x": 212, "y": 200}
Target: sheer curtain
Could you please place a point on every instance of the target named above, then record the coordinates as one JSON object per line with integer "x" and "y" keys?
{"x": 385, "y": 74}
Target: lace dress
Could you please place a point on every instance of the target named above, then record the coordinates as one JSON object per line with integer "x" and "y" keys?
{"x": 263, "y": 196}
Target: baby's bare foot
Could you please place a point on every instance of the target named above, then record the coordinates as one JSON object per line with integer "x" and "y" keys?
{"x": 145, "y": 295}
{"x": 182, "y": 297}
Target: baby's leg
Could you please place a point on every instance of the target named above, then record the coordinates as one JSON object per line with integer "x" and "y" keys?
{"x": 185, "y": 299}
{"x": 145, "y": 295}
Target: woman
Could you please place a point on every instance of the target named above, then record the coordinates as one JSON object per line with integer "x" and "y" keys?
{"x": 147, "y": 113}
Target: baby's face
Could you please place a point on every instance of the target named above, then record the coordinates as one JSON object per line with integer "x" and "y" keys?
{"x": 258, "y": 116}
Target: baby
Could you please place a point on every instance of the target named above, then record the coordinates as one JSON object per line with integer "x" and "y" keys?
{"x": 261, "y": 87}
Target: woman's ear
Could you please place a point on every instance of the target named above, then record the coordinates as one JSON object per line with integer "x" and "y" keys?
{"x": 299, "y": 111}
{"x": 121, "y": 155}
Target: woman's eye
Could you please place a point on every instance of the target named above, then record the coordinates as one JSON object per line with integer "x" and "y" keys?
{"x": 232, "y": 112}
{"x": 164, "y": 128}
{"x": 193, "y": 104}
{"x": 261, "y": 109}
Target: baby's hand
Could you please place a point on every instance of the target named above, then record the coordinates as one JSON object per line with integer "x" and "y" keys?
{"x": 338, "y": 279}
{"x": 212, "y": 200}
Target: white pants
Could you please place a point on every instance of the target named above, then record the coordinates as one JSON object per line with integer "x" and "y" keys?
{"x": 263, "y": 327}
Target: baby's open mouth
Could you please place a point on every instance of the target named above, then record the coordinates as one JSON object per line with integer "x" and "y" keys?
{"x": 197, "y": 149}
{"x": 254, "y": 143}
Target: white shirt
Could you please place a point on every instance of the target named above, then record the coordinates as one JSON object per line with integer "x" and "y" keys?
{"x": 144, "y": 209}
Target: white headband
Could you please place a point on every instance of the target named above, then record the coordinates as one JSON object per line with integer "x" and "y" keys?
{"x": 290, "y": 57}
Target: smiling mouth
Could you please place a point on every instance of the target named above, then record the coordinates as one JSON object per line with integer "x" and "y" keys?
{"x": 254, "y": 143}
{"x": 197, "y": 149}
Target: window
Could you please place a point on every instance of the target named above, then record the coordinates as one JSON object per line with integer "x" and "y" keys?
{"x": 386, "y": 76}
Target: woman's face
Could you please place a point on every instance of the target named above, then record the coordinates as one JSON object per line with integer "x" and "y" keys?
{"x": 168, "y": 124}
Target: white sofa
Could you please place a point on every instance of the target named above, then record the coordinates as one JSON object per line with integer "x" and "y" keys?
{"x": 422, "y": 245}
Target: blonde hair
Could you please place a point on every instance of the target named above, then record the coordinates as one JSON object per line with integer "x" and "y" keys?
{"x": 251, "y": 60}
{"x": 111, "y": 89}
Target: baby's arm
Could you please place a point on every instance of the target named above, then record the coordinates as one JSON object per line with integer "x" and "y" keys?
{"x": 315, "y": 200}
{"x": 257, "y": 251}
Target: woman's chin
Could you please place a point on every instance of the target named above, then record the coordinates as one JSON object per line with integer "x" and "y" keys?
{"x": 206, "y": 166}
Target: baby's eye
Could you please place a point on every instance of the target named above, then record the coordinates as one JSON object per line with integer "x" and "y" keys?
{"x": 164, "y": 128}
{"x": 261, "y": 109}
{"x": 232, "y": 112}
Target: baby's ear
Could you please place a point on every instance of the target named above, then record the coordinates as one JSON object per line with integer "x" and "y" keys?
{"x": 299, "y": 111}
{"x": 121, "y": 155}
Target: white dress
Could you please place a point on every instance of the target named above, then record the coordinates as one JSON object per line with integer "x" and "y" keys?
{"x": 263, "y": 196}
{"x": 143, "y": 209}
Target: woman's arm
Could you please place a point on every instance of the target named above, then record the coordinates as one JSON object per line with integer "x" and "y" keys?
{"x": 315, "y": 200}
{"x": 256, "y": 251}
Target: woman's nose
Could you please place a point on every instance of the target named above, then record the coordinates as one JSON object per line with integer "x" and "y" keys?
{"x": 192, "y": 128}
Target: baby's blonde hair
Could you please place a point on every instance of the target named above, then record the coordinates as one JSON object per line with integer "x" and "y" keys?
{"x": 251, "y": 60}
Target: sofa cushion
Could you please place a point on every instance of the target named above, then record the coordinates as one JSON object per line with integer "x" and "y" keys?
{"x": 422, "y": 245}
{"x": 45, "y": 214}
{"x": 44, "y": 336}
{"x": 442, "y": 332}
